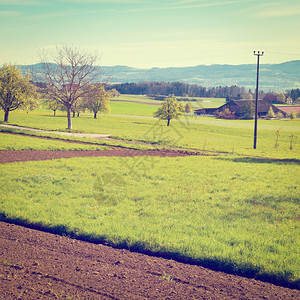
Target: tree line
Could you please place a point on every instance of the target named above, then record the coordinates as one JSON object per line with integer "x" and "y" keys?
{"x": 179, "y": 89}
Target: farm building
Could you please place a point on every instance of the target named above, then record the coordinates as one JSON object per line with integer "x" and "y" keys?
{"x": 263, "y": 107}
{"x": 206, "y": 111}
{"x": 236, "y": 105}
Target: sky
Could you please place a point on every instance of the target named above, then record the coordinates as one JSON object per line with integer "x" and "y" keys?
{"x": 153, "y": 33}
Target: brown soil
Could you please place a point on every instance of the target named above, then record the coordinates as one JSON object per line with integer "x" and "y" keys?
{"x": 7, "y": 156}
{"x": 40, "y": 265}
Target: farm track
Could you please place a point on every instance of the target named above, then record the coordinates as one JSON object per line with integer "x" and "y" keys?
{"x": 8, "y": 156}
{"x": 71, "y": 134}
{"x": 41, "y": 265}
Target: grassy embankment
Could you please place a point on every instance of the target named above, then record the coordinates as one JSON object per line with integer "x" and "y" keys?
{"x": 23, "y": 142}
{"x": 231, "y": 212}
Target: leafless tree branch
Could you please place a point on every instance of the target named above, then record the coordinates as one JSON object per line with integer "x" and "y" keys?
{"x": 68, "y": 77}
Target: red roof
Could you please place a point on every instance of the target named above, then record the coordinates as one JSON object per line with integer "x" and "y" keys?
{"x": 289, "y": 109}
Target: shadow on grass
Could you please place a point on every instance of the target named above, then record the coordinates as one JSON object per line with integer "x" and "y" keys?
{"x": 56, "y": 116}
{"x": 262, "y": 160}
{"x": 141, "y": 123}
{"x": 224, "y": 265}
{"x": 65, "y": 116}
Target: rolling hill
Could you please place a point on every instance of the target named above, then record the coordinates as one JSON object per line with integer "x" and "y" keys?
{"x": 273, "y": 77}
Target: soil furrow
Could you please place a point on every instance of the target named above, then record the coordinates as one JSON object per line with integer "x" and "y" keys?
{"x": 40, "y": 265}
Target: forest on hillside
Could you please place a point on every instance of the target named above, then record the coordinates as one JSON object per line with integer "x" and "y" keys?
{"x": 181, "y": 89}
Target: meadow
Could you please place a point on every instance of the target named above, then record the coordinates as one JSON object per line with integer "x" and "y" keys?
{"x": 234, "y": 211}
{"x": 22, "y": 142}
{"x": 196, "y": 102}
{"x": 231, "y": 213}
{"x": 137, "y": 98}
{"x": 131, "y": 108}
{"x": 276, "y": 138}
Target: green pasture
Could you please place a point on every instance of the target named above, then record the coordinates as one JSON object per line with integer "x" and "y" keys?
{"x": 19, "y": 142}
{"x": 237, "y": 214}
{"x": 236, "y": 211}
{"x": 130, "y": 108}
{"x": 201, "y": 102}
{"x": 204, "y": 134}
{"x": 136, "y": 98}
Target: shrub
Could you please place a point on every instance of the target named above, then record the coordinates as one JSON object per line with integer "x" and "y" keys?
{"x": 226, "y": 114}
{"x": 271, "y": 113}
{"x": 247, "y": 111}
{"x": 279, "y": 115}
{"x": 292, "y": 115}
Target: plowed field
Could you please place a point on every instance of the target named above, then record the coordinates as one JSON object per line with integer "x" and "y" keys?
{"x": 40, "y": 265}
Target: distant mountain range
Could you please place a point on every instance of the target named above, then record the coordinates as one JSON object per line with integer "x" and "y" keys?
{"x": 272, "y": 77}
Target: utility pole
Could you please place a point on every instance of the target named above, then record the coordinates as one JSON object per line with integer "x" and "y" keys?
{"x": 258, "y": 54}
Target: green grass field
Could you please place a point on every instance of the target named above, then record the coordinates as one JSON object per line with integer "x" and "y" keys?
{"x": 209, "y": 134}
{"x": 136, "y": 98}
{"x": 130, "y": 108}
{"x": 201, "y": 102}
{"x": 237, "y": 214}
{"x": 19, "y": 142}
{"x": 236, "y": 211}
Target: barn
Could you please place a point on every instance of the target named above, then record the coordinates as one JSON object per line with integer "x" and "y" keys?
{"x": 262, "y": 107}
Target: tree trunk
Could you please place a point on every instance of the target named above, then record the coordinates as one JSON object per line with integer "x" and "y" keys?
{"x": 54, "y": 113}
{"x": 78, "y": 114}
{"x": 73, "y": 114}
{"x": 168, "y": 122}
{"x": 69, "y": 118}
{"x": 6, "y": 116}
{"x": 95, "y": 115}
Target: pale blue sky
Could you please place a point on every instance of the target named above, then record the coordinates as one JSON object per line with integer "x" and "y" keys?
{"x": 153, "y": 33}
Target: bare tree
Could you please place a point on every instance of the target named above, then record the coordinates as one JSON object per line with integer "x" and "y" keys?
{"x": 68, "y": 73}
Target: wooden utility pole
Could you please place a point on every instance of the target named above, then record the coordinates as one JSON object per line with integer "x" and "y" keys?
{"x": 258, "y": 54}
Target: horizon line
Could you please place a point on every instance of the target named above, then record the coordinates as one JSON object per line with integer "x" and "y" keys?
{"x": 170, "y": 67}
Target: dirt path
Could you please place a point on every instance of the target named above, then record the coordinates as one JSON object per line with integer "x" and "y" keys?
{"x": 39, "y": 265}
{"x": 87, "y": 135}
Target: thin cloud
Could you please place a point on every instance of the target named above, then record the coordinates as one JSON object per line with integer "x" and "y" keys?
{"x": 210, "y": 3}
{"x": 188, "y": 5}
{"x": 58, "y": 14}
{"x": 278, "y": 11}
{"x": 67, "y": 13}
{"x": 9, "y": 13}
{"x": 104, "y": 1}
{"x": 21, "y": 2}
{"x": 189, "y": 1}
